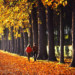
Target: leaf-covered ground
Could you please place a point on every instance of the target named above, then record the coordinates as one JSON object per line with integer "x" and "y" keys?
{"x": 12, "y": 64}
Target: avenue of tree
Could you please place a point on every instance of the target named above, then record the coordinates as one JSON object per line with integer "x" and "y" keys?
{"x": 27, "y": 22}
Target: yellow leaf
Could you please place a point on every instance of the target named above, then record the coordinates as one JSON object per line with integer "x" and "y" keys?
{"x": 19, "y": 35}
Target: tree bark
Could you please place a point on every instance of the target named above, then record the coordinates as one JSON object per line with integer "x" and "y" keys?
{"x": 73, "y": 34}
{"x": 15, "y": 45}
{"x": 5, "y": 36}
{"x": 6, "y": 41}
{"x": 42, "y": 41}
{"x": 31, "y": 37}
{"x": 30, "y": 30}
{"x": 18, "y": 45}
{"x": 22, "y": 44}
{"x": 3, "y": 45}
{"x": 0, "y": 44}
{"x": 12, "y": 40}
{"x": 50, "y": 28}
{"x": 61, "y": 36}
{"x": 34, "y": 25}
{"x": 25, "y": 41}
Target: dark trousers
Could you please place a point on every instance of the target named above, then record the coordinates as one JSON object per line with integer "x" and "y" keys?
{"x": 35, "y": 55}
{"x": 28, "y": 54}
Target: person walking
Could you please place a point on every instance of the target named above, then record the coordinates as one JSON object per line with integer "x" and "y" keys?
{"x": 35, "y": 51}
{"x": 28, "y": 51}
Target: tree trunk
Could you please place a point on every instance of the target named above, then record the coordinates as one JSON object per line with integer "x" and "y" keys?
{"x": 12, "y": 40}
{"x": 30, "y": 30}
{"x": 15, "y": 45}
{"x": 22, "y": 44}
{"x": 3, "y": 42}
{"x": 61, "y": 37}
{"x": 25, "y": 41}
{"x": 31, "y": 37}
{"x": 42, "y": 41}
{"x": 34, "y": 25}
{"x": 18, "y": 45}
{"x": 73, "y": 33}
{"x": 7, "y": 31}
{"x": 51, "y": 35}
{"x": 11, "y": 46}
{"x": 0, "y": 44}
{"x": 58, "y": 35}
{"x": 5, "y": 36}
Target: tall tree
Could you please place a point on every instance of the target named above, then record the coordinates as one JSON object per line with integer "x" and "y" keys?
{"x": 22, "y": 43}
{"x": 3, "y": 43}
{"x": 73, "y": 33}
{"x": 30, "y": 30}
{"x": 42, "y": 42}
{"x": 6, "y": 37}
{"x": 34, "y": 24}
{"x": 7, "y": 46}
{"x": 15, "y": 45}
{"x": 25, "y": 41}
{"x": 18, "y": 43}
{"x": 61, "y": 36}
{"x": 0, "y": 44}
{"x": 51, "y": 34}
{"x": 12, "y": 40}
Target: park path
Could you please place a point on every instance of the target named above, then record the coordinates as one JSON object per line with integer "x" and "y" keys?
{"x": 12, "y": 64}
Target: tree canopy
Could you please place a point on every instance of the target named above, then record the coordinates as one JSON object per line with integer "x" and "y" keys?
{"x": 14, "y": 16}
{"x": 15, "y": 13}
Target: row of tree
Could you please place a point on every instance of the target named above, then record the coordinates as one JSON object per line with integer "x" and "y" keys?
{"x": 39, "y": 22}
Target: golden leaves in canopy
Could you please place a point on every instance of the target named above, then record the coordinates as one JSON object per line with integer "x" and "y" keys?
{"x": 54, "y": 3}
{"x": 16, "y": 17}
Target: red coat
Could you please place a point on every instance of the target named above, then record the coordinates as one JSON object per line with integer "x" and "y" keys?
{"x": 28, "y": 50}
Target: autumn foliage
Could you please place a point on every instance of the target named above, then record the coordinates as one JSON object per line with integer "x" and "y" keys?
{"x": 12, "y": 64}
{"x": 16, "y": 16}
{"x": 15, "y": 13}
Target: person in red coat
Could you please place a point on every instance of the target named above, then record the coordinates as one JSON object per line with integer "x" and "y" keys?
{"x": 28, "y": 51}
